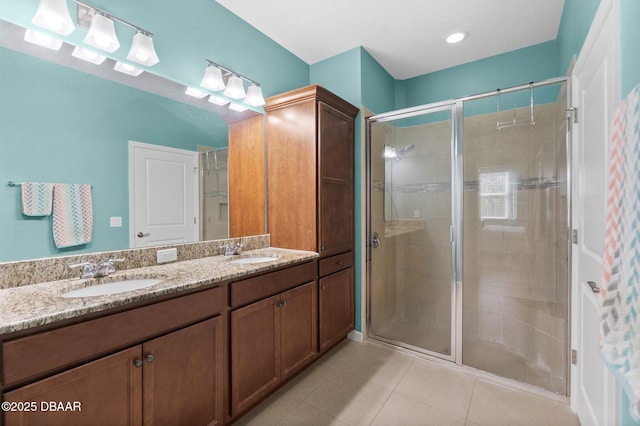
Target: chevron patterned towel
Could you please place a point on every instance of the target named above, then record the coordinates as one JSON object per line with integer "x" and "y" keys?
{"x": 37, "y": 198}
{"x": 72, "y": 214}
{"x": 620, "y": 301}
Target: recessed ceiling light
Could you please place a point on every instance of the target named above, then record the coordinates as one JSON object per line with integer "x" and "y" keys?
{"x": 457, "y": 37}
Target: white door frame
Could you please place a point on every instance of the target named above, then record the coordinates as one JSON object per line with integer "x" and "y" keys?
{"x": 604, "y": 37}
{"x": 196, "y": 189}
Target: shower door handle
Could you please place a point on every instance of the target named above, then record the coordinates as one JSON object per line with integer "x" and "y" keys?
{"x": 375, "y": 242}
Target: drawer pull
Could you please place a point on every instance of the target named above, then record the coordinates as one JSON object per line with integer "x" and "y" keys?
{"x": 150, "y": 358}
{"x": 137, "y": 362}
{"x": 339, "y": 263}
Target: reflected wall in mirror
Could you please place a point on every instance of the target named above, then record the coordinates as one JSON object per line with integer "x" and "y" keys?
{"x": 63, "y": 125}
{"x": 214, "y": 193}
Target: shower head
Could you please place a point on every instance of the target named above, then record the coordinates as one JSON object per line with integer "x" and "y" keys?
{"x": 391, "y": 152}
{"x": 407, "y": 149}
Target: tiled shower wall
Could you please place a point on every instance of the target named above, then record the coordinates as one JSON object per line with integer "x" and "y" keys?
{"x": 515, "y": 267}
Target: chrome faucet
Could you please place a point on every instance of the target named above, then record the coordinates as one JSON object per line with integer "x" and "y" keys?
{"x": 102, "y": 269}
{"x": 230, "y": 250}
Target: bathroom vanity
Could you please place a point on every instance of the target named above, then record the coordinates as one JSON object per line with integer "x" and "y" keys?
{"x": 215, "y": 337}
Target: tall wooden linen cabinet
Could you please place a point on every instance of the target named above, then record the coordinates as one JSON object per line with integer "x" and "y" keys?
{"x": 310, "y": 194}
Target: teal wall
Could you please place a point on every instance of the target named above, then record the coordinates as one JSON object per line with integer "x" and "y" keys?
{"x": 577, "y": 16}
{"x": 62, "y": 125}
{"x": 185, "y": 36}
{"x": 629, "y": 45}
{"x": 378, "y": 86}
{"x": 533, "y": 63}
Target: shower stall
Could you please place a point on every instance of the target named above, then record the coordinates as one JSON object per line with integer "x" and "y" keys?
{"x": 468, "y": 218}
{"x": 214, "y": 193}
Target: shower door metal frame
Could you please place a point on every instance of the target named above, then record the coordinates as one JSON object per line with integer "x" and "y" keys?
{"x": 457, "y": 120}
{"x": 457, "y": 175}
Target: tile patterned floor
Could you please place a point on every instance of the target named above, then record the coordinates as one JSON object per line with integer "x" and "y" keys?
{"x": 371, "y": 384}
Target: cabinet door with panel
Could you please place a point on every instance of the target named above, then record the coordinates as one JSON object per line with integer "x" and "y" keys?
{"x": 182, "y": 383}
{"x": 298, "y": 328}
{"x": 271, "y": 340}
{"x": 255, "y": 360}
{"x": 336, "y": 166}
{"x": 106, "y": 392}
{"x": 173, "y": 379}
{"x": 337, "y": 313}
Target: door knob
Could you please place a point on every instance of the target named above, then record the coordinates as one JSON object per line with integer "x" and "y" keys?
{"x": 594, "y": 286}
{"x": 141, "y": 235}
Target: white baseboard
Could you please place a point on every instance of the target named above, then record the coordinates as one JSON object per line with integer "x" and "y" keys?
{"x": 355, "y": 335}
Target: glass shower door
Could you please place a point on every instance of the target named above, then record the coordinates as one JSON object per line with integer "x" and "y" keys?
{"x": 412, "y": 276}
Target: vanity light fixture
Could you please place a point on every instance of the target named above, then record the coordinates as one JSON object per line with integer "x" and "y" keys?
{"x": 235, "y": 88}
{"x": 216, "y": 77}
{"x": 127, "y": 69}
{"x": 53, "y": 15}
{"x": 102, "y": 34}
{"x": 41, "y": 39}
{"x": 254, "y": 96}
{"x": 196, "y": 93}
{"x": 88, "y": 55}
{"x": 212, "y": 79}
{"x": 218, "y": 100}
{"x": 237, "y": 107}
{"x": 142, "y": 50}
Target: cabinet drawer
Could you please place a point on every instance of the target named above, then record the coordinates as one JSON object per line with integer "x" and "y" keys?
{"x": 41, "y": 354}
{"x": 335, "y": 263}
{"x": 253, "y": 289}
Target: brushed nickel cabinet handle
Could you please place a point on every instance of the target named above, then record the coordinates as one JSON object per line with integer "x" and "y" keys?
{"x": 150, "y": 358}
{"x": 137, "y": 362}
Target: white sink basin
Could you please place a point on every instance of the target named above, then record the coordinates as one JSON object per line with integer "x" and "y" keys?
{"x": 249, "y": 260}
{"x": 112, "y": 288}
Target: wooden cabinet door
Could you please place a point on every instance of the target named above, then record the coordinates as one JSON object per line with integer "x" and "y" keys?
{"x": 336, "y": 175}
{"x": 255, "y": 359}
{"x": 337, "y": 307}
{"x": 181, "y": 382}
{"x": 298, "y": 327}
{"x": 109, "y": 391}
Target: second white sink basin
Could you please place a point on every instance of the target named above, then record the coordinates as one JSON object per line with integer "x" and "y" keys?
{"x": 112, "y": 288}
{"x": 249, "y": 260}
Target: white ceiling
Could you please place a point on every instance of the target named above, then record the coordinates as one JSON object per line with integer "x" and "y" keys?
{"x": 407, "y": 37}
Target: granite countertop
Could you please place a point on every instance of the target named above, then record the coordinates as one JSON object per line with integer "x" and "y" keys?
{"x": 39, "y": 304}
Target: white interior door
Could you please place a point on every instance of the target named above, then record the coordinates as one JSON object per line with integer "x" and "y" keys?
{"x": 594, "y": 391}
{"x": 163, "y": 195}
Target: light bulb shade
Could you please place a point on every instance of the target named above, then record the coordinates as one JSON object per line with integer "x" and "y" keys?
{"x": 54, "y": 16}
{"x": 88, "y": 55}
{"x": 237, "y": 107}
{"x": 212, "y": 79}
{"x": 218, "y": 100}
{"x": 102, "y": 34}
{"x": 235, "y": 88}
{"x": 127, "y": 69}
{"x": 196, "y": 93}
{"x": 142, "y": 50}
{"x": 254, "y": 96}
{"x": 44, "y": 40}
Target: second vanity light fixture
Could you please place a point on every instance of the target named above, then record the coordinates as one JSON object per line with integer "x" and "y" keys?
{"x": 214, "y": 80}
{"x": 53, "y": 15}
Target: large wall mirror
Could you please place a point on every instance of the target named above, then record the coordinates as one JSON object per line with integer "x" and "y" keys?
{"x": 65, "y": 120}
